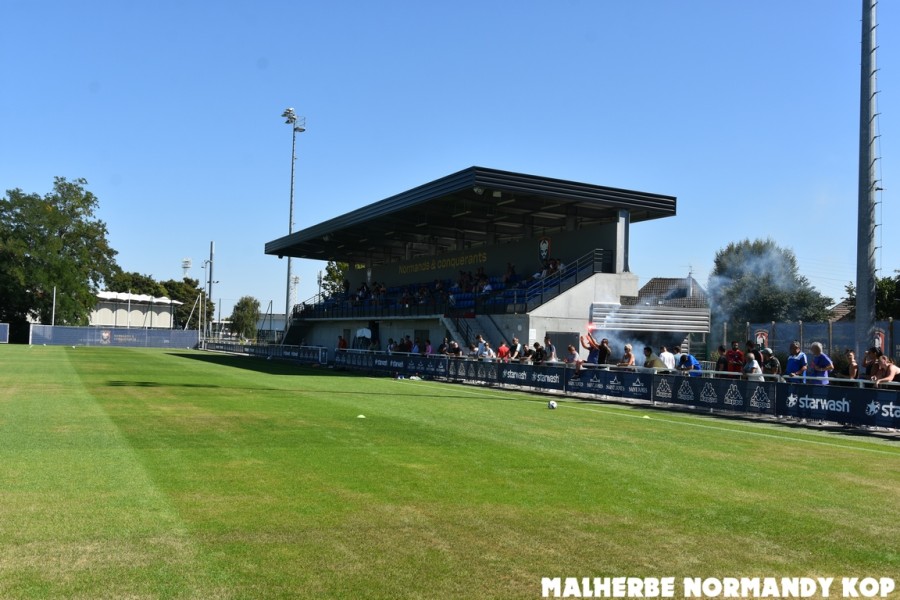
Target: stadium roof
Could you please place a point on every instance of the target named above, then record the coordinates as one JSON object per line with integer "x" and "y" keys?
{"x": 471, "y": 208}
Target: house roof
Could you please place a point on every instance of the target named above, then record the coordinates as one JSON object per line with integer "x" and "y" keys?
{"x": 473, "y": 207}
{"x": 683, "y": 292}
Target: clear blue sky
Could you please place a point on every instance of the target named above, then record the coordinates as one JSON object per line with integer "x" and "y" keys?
{"x": 746, "y": 111}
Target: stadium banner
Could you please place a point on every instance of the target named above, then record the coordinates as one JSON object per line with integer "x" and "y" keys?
{"x": 633, "y": 385}
{"x": 852, "y": 405}
{"x": 474, "y": 370}
{"x": 722, "y": 394}
{"x": 405, "y": 365}
{"x": 4, "y": 333}
{"x": 50, "y": 335}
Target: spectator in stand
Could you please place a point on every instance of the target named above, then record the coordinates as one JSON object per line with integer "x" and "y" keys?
{"x": 510, "y": 276}
{"x": 721, "y": 362}
{"x": 428, "y": 349}
{"x": 415, "y": 347}
{"x": 488, "y": 353}
{"x": 795, "y": 369}
{"x": 444, "y": 348}
{"x": 886, "y": 371}
{"x": 342, "y": 343}
{"x": 819, "y": 364}
{"x": 667, "y": 357}
{"x": 454, "y": 349}
{"x": 473, "y": 351}
{"x": 503, "y": 352}
{"x": 689, "y": 365}
{"x": 391, "y": 346}
{"x": 771, "y": 365}
{"x": 651, "y": 360}
{"x": 627, "y": 358}
{"x": 735, "y": 359}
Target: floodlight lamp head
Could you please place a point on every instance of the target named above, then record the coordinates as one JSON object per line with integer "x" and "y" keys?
{"x": 289, "y": 116}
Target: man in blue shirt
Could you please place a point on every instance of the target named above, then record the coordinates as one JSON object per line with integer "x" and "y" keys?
{"x": 690, "y": 364}
{"x": 795, "y": 369}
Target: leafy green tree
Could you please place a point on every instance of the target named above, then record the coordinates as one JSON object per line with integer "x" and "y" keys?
{"x": 335, "y": 275}
{"x": 245, "y": 317}
{"x": 758, "y": 281}
{"x": 887, "y": 297}
{"x": 135, "y": 283}
{"x": 50, "y": 242}
{"x": 186, "y": 291}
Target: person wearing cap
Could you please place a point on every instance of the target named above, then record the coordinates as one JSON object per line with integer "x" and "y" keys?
{"x": 771, "y": 365}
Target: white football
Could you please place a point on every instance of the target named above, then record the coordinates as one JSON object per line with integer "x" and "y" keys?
{"x": 551, "y": 405}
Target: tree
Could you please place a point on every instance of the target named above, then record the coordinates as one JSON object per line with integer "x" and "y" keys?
{"x": 245, "y": 317}
{"x": 52, "y": 242}
{"x": 759, "y": 282}
{"x": 187, "y": 291}
{"x": 335, "y": 275}
{"x": 887, "y": 297}
{"x": 135, "y": 283}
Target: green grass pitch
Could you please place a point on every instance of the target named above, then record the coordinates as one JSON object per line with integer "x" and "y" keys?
{"x": 137, "y": 473}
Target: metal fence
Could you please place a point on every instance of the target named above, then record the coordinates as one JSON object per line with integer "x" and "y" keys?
{"x": 51, "y": 335}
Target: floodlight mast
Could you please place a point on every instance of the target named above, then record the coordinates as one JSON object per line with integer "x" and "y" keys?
{"x": 298, "y": 125}
{"x": 868, "y": 186}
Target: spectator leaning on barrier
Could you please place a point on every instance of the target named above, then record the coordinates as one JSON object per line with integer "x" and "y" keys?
{"x": 539, "y": 355}
{"x": 819, "y": 365}
{"x": 571, "y": 358}
{"x": 627, "y": 358}
{"x": 886, "y": 371}
{"x": 689, "y": 365}
{"x": 795, "y": 369}
{"x": 652, "y": 361}
{"x": 771, "y": 365}
{"x": 752, "y": 369}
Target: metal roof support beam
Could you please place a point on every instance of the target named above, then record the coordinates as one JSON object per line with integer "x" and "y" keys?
{"x": 623, "y": 225}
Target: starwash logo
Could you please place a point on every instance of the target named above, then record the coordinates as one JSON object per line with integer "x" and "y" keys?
{"x": 890, "y": 410}
{"x": 841, "y": 406}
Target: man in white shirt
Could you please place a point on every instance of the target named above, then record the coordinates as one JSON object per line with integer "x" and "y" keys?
{"x": 667, "y": 357}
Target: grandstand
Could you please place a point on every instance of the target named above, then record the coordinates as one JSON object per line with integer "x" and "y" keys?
{"x": 480, "y": 251}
